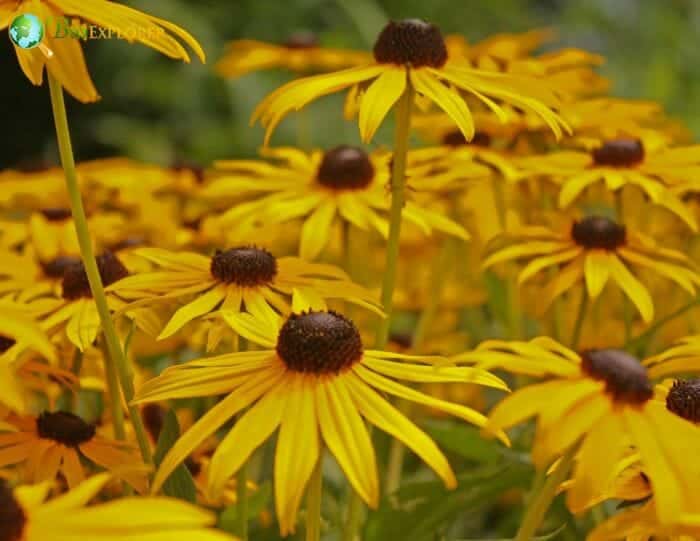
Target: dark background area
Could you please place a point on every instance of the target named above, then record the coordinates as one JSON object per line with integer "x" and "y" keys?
{"x": 159, "y": 110}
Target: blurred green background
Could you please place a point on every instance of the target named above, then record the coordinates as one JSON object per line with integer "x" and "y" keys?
{"x": 163, "y": 111}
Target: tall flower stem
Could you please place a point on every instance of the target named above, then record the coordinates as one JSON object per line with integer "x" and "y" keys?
{"x": 438, "y": 279}
{"x": 314, "y": 494}
{"x": 578, "y": 325}
{"x": 398, "y": 200}
{"x": 116, "y": 354}
{"x": 541, "y": 501}
{"x": 242, "y": 502}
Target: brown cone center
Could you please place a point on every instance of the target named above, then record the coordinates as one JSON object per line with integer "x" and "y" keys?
{"x": 319, "y": 343}
{"x": 75, "y": 280}
{"x": 624, "y": 376}
{"x": 57, "y": 214}
{"x": 684, "y": 399}
{"x": 598, "y": 232}
{"x": 56, "y": 268}
{"x": 619, "y": 153}
{"x": 65, "y": 428}
{"x": 246, "y": 266}
{"x": 411, "y": 42}
{"x": 345, "y": 168}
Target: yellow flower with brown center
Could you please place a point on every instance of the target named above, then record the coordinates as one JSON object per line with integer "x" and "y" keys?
{"x": 56, "y": 442}
{"x": 619, "y": 162}
{"x": 594, "y": 249}
{"x": 412, "y": 52}
{"x": 300, "y": 53}
{"x": 26, "y": 516}
{"x": 67, "y": 64}
{"x": 314, "y": 381}
{"x": 341, "y": 184}
{"x": 244, "y": 278}
{"x": 603, "y": 401}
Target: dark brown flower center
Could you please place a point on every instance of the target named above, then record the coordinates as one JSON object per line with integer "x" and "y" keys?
{"x": 684, "y": 399}
{"x": 127, "y": 243}
{"x": 624, "y": 376}
{"x": 12, "y": 517}
{"x": 456, "y": 139}
{"x": 411, "y": 42}
{"x": 302, "y": 40}
{"x": 319, "y": 343}
{"x": 75, "y": 280}
{"x": 6, "y": 343}
{"x": 57, "y": 214}
{"x": 57, "y": 267}
{"x": 245, "y": 266}
{"x": 599, "y": 232}
{"x": 345, "y": 168}
{"x": 619, "y": 153}
{"x": 65, "y": 428}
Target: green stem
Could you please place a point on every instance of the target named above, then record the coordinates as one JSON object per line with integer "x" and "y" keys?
{"x": 116, "y": 355}
{"x": 651, "y": 331}
{"x": 398, "y": 200}
{"x": 115, "y": 397}
{"x": 354, "y": 518}
{"x": 536, "y": 511}
{"x": 242, "y": 502}
{"x": 314, "y": 493}
{"x": 438, "y": 279}
{"x": 578, "y": 326}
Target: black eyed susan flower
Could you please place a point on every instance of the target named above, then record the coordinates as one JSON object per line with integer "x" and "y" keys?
{"x": 76, "y": 314}
{"x": 602, "y": 399}
{"x": 314, "y": 382}
{"x": 682, "y": 398}
{"x": 242, "y": 278}
{"x": 19, "y": 333}
{"x": 67, "y": 64}
{"x": 301, "y": 52}
{"x": 56, "y": 442}
{"x": 343, "y": 183}
{"x": 412, "y": 52}
{"x": 27, "y": 516}
{"x": 594, "y": 249}
{"x": 622, "y": 161}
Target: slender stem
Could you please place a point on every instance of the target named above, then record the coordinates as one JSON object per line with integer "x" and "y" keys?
{"x": 536, "y": 511}
{"x": 116, "y": 355}
{"x": 242, "y": 502}
{"x": 651, "y": 331}
{"x": 115, "y": 396}
{"x": 578, "y": 326}
{"x": 353, "y": 519}
{"x": 398, "y": 200}
{"x": 314, "y": 493}
{"x": 438, "y": 279}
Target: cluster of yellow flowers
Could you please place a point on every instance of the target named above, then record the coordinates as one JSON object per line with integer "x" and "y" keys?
{"x": 542, "y": 229}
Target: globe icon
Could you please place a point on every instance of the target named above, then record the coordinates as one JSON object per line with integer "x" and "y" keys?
{"x": 26, "y": 31}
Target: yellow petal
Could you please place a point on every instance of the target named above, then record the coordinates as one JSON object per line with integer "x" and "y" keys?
{"x": 378, "y": 100}
{"x": 596, "y": 272}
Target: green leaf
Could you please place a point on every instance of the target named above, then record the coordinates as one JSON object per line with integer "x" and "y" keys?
{"x": 180, "y": 483}
{"x": 465, "y": 441}
{"x": 545, "y": 537}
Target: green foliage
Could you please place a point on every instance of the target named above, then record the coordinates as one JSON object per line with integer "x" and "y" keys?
{"x": 180, "y": 483}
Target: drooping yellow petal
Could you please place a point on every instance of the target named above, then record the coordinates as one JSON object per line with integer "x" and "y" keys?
{"x": 596, "y": 272}
{"x": 634, "y": 289}
{"x": 316, "y": 230}
{"x": 346, "y": 437}
{"x": 378, "y": 100}
{"x": 201, "y": 305}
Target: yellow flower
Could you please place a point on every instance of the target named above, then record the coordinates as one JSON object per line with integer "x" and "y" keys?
{"x": 19, "y": 334}
{"x": 604, "y": 400}
{"x": 412, "y": 52}
{"x": 242, "y": 278}
{"x": 67, "y": 64}
{"x": 28, "y": 517}
{"x": 300, "y": 53}
{"x": 313, "y": 376}
{"x": 76, "y": 312}
{"x": 681, "y": 358}
{"x": 55, "y": 442}
{"x": 620, "y": 162}
{"x": 594, "y": 249}
{"x": 342, "y": 183}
